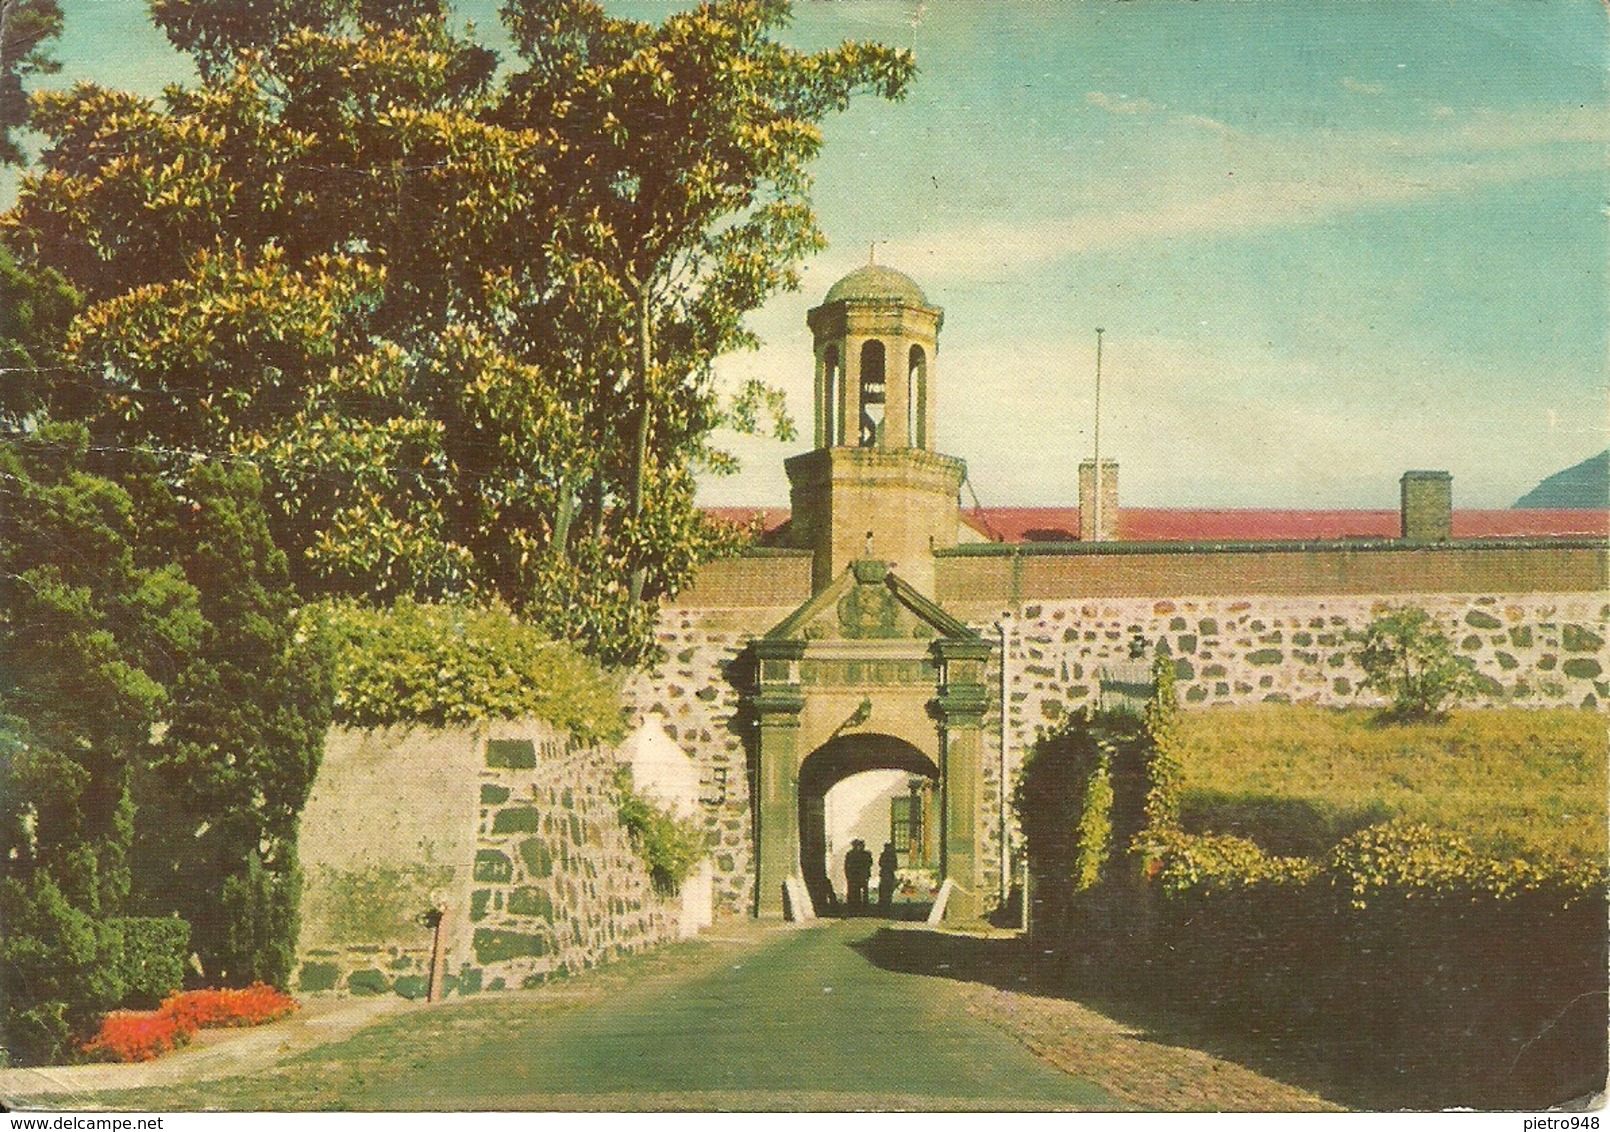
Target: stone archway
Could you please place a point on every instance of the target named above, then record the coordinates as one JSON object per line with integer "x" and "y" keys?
{"x": 870, "y": 669}
{"x": 840, "y": 758}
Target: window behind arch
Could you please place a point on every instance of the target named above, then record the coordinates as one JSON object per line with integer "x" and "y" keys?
{"x": 832, "y": 384}
{"x": 872, "y": 393}
{"x": 917, "y": 398}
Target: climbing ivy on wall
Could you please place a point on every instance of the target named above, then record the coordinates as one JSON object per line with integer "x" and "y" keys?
{"x": 1160, "y": 768}
{"x": 1066, "y": 797}
{"x": 1100, "y": 790}
{"x": 445, "y": 664}
{"x": 670, "y": 846}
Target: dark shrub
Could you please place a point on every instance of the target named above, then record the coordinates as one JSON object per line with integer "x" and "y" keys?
{"x": 58, "y": 971}
{"x": 151, "y": 960}
{"x": 1431, "y": 975}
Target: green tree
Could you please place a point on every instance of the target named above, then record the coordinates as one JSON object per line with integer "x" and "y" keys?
{"x": 462, "y": 320}
{"x": 90, "y": 638}
{"x": 241, "y": 741}
{"x": 1407, "y": 657}
{"x": 26, "y": 29}
{"x": 36, "y": 307}
{"x": 159, "y": 725}
{"x": 698, "y": 133}
{"x": 58, "y": 970}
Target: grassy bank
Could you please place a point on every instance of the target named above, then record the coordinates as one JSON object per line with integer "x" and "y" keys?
{"x": 1296, "y": 779}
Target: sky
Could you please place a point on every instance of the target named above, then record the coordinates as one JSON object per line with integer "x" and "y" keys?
{"x": 1327, "y": 242}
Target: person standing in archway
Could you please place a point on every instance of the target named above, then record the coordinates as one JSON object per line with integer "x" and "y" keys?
{"x": 888, "y": 861}
{"x": 857, "y": 874}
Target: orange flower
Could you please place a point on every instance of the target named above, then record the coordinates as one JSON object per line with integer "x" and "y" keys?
{"x": 137, "y": 1035}
{"x": 249, "y": 1006}
{"x": 140, "y": 1035}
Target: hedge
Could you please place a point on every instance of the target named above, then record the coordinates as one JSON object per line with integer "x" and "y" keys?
{"x": 151, "y": 957}
{"x": 449, "y": 664}
{"x": 1430, "y": 976}
{"x": 1422, "y": 973}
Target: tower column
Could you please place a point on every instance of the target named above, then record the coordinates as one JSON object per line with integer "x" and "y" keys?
{"x": 961, "y": 703}
{"x": 850, "y": 404}
{"x": 896, "y": 415}
{"x": 930, "y": 404}
{"x": 824, "y": 407}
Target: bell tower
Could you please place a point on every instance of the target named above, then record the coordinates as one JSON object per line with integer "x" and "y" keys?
{"x": 874, "y": 487}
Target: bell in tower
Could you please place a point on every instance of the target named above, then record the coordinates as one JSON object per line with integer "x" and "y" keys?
{"x": 874, "y": 485}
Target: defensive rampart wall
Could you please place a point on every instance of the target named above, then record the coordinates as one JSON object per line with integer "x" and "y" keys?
{"x": 984, "y": 579}
{"x": 511, "y": 828}
{"x": 1244, "y": 624}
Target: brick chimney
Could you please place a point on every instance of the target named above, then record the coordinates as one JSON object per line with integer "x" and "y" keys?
{"x": 1087, "y": 501}
{"x": 1427, "y": 510}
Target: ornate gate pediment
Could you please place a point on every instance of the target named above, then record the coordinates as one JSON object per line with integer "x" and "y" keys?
{"x": 869, "y": 602}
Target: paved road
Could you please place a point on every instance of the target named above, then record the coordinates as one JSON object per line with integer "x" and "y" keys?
{"x": 797, "y": 1019}
{"x": 750, "y": 1018}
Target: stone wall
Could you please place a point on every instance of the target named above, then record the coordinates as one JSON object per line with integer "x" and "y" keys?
{"x": 1530, "y": 651}
{"x": 512, "y": 828}
{"x": 1542, "y": 650}
{"x": 694, "y": 692}
{"x": 1535, "y": 650}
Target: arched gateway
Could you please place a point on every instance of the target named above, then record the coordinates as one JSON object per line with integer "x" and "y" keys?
{"x": 868, "y": 674}
{"x": 855, "y": 750}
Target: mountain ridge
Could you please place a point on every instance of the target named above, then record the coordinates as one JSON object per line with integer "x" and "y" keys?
{"x": 1581, "y": 486}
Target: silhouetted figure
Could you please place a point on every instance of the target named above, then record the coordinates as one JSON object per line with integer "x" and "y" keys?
{"x": 857, "y": 874}
{"x": 888, "y": 861}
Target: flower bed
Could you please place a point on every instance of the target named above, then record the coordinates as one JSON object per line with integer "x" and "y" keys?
{"x": 248, "y": 1006}
{"x": 137, "y": 1035}
{"x": 140, "y": 1035}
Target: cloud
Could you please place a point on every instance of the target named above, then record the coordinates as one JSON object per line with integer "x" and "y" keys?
{"x": 983, "y": 251}
{"x": 1250, "y": 182}
{"x": 1202, "y": 122}
{"x": 1488, "y": 130}
{"x": 1352, "y": 84}
{"x": 1121, "y": 105}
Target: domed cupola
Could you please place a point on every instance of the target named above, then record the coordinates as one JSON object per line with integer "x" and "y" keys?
{"x": 875, "y": 283}
{"x": 876, "y": 337}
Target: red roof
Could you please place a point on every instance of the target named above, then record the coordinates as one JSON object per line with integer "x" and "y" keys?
{"x": 769, "y": 518}
{"x": 1167, "y": 524}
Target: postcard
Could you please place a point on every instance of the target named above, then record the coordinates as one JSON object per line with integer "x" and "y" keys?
{"x": 837, "y": 557}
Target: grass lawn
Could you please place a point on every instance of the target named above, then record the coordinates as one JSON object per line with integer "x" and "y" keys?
{"x": 1296, "y": 778}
